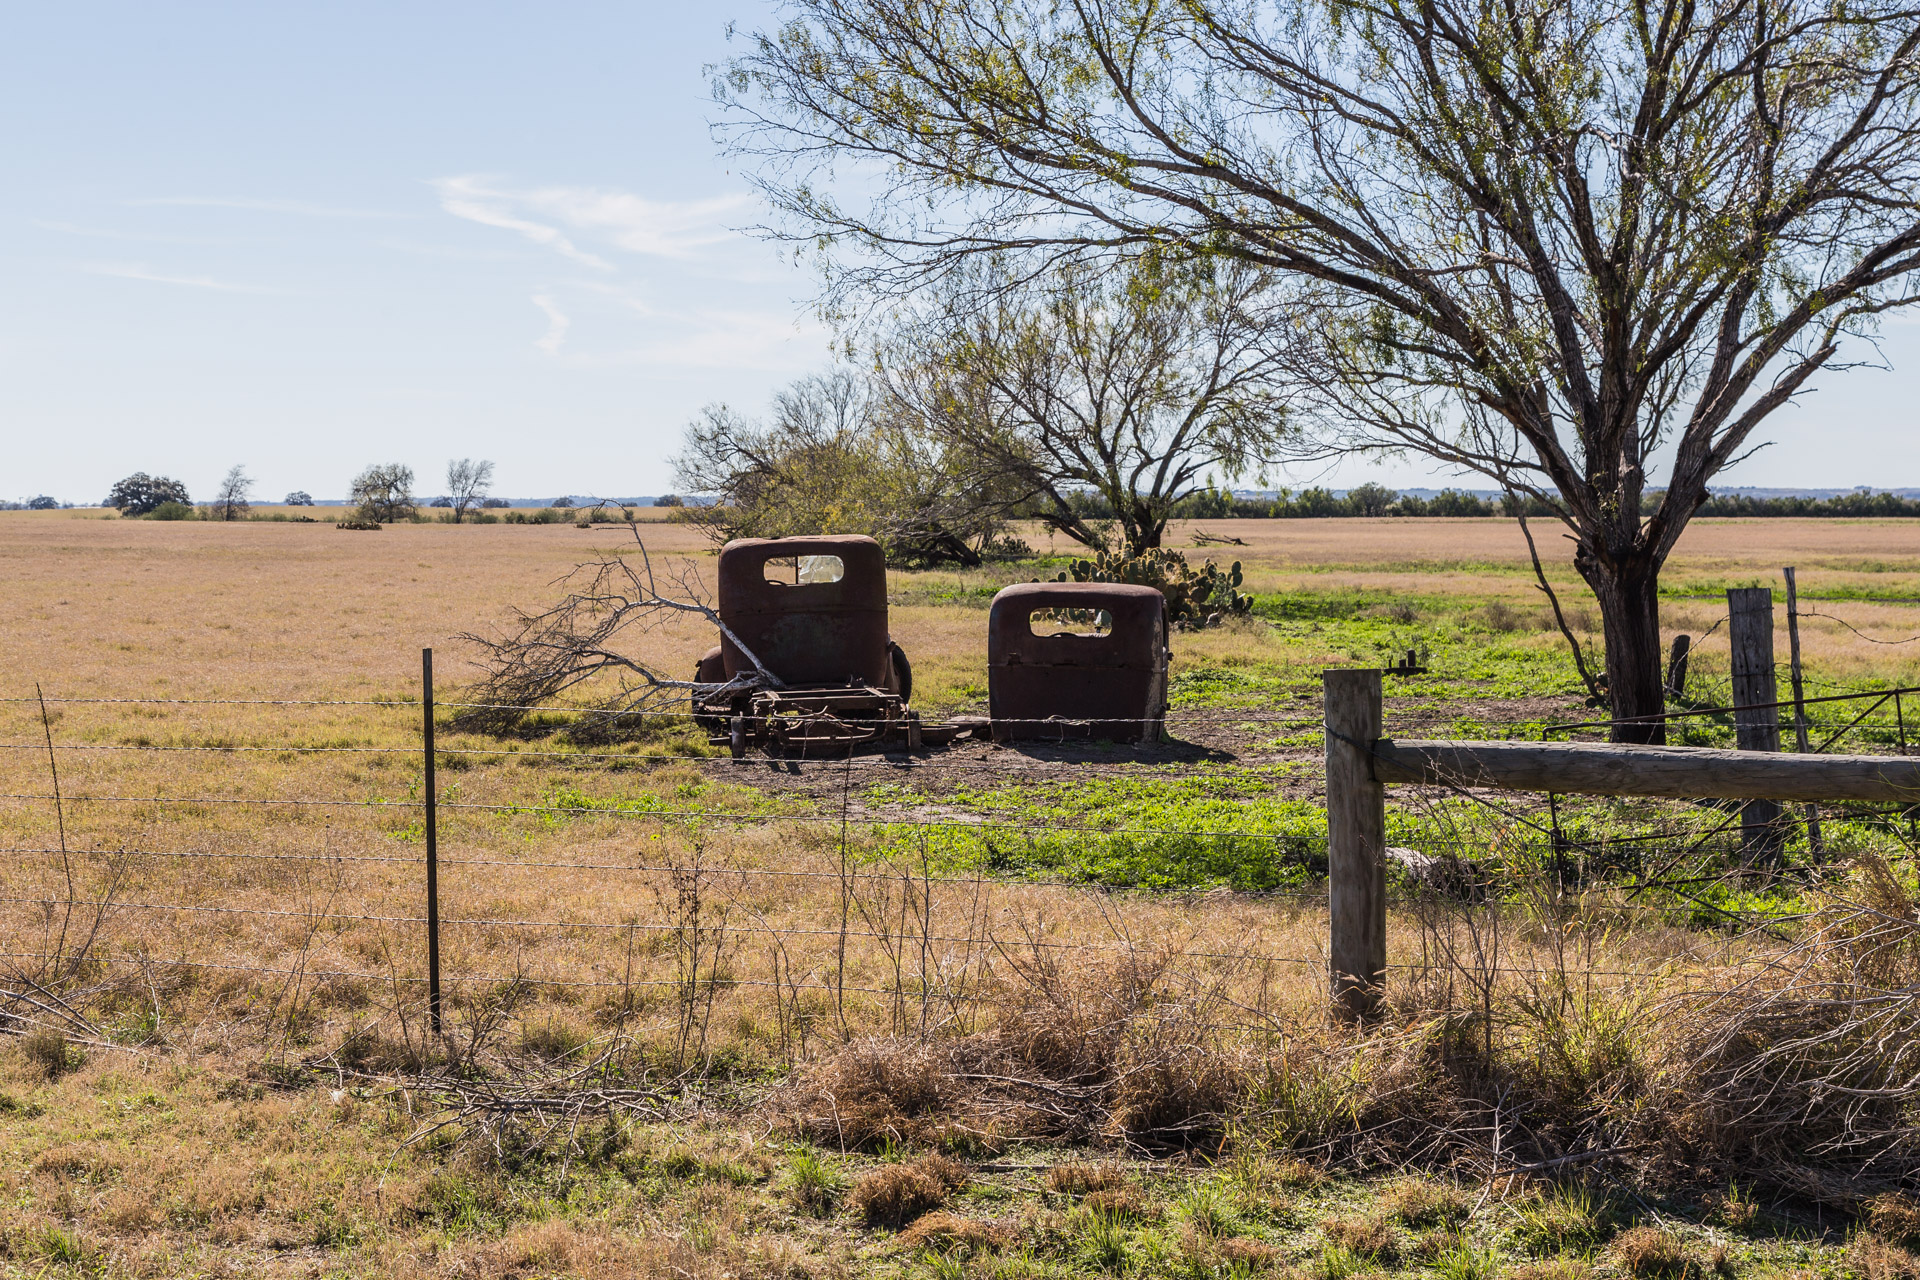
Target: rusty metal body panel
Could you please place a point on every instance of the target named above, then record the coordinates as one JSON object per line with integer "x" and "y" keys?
{"x": 1053, "y": 683}
{"x": 810, "y": 632}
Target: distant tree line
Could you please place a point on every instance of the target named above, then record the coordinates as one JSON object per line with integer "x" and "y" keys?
{"x": 1379, "y": 500}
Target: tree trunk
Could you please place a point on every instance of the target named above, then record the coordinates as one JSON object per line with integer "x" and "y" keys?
{"x": 1628, "y": 590}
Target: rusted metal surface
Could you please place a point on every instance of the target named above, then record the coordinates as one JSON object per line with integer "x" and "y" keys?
{"x": 1053, "y": 679}
{"x": 806, "y": 632}
{"x": 814, "y": 611}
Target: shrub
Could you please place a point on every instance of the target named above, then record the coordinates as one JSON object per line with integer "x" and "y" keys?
{"x": 172, "y": 511}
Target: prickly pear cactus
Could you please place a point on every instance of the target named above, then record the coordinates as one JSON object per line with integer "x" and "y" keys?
{"x": 1196, "y": 597}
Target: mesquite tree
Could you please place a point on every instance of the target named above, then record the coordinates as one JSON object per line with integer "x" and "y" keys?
{"x": 1134, "y": 386}
{"x": 1551, "y": 241}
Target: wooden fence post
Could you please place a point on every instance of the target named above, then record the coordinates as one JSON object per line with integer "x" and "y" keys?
{"x": 1756, "y": 720}
{"x": 1356, "y": 844}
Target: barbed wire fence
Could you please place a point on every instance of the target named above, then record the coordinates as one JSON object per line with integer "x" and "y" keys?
{"x": 844, "y": 907}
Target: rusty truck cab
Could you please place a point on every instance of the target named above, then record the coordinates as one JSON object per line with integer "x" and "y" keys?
{"x": 1077, "y": 660}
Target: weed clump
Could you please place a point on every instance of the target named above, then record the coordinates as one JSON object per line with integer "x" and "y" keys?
{"x": 1077, "y": 1179}
{"x": 1733, "y": 1209}
{"x": 897, "y": 1194}
{"x": 1418, "y": 1202}
{"x": 1571, "y": 1219}
{"x": 49, "y": 1052}
{"x": 814, "y": 1185}
{"x": 553, "y": 1040}
{"x": 1117, "y": 1202}
{"x": 1649, "y": 1252}
{"x": 1368, "y": 1238}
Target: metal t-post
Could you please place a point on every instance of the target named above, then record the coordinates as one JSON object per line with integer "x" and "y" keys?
{"x": 433, "y": 843}
{"x": 1814, "y": 842}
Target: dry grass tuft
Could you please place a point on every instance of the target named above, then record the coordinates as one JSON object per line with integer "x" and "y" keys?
{"x": 897, "y": 1194}
{"x": 1896, "y": 1216}
{"x": 1419, "y": 1202}
{"x": 1124, "y": 1203}
{"x": 1555, "y": 1269}
{"x": 1078, "y": 1178}
{"x": 1874, "y": 1258}
{"x": 943, "y": 1230}
{"x": 875, "y": 1092}
{"x": 1291, "y": 1174}
{"x": 1122, "y": 1050}
{"x": 1371, "y": 1238}
{"x": 1733, "y": 1209}
{"x": 1430, "y": 1245}
{"x": 48, "y": 1053}
{"x": 1650, "y": 1252}
{"x": 1243, "y": 1252}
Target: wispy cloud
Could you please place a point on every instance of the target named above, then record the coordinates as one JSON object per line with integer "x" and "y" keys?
{"x": 467, "y": 198}
{"x": 557, "y": 324}
{"x": 301, "y": 208}
{"x": 552, "y": 216}
{"x": 105, "y": 233}
{"x": 136, "y": 271}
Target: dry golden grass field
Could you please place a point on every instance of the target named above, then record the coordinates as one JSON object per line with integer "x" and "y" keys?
{"x": 988, "y": 1011}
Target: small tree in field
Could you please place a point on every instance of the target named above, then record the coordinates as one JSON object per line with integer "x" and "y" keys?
{"x": 838, "y": 455}
{"x": 467, "y": 483}
{"x": 230, "y": 501}
{"x": 383, "y": 493}
{"x": 140, "y": 493}
{"x": 299, "y": 498}
{"x": 1128, "y": 385}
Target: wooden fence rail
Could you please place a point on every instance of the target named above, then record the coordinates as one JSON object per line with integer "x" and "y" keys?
{"x": 1361, "y": 764}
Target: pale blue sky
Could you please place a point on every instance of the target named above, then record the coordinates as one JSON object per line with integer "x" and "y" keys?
{"x": 306, "y": 237}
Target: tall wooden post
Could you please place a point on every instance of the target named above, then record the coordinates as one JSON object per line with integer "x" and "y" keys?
{"x": 1756, "y": 721}
{"x": 1356, "y": 844}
